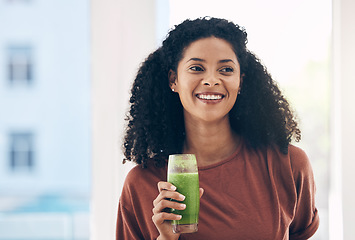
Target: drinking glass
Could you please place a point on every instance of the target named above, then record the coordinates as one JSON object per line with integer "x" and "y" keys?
{"x": 183, "y": 174}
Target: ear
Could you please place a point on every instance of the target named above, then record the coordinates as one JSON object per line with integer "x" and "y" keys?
{"x": 172, "y": 79}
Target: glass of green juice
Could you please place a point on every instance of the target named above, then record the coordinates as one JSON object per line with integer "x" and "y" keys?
{"x": 183, "y": 174}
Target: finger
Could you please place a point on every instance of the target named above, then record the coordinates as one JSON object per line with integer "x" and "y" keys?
{"x": 164, "y": 216}
{"x": 168, "y": 195}
{"x": 201, "y": 192}
{"x": 166, "y": 186}
{"x": 164, "y": 204}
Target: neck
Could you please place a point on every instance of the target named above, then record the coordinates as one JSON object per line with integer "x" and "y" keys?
{"x": 210, "y": 142}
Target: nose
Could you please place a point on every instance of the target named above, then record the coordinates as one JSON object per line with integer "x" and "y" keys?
{"x": 211, "y": 80}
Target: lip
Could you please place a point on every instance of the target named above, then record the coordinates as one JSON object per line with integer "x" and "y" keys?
{"x": 210, "y": 97}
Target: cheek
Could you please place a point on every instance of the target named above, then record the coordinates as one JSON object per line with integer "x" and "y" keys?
{"x": 233, "y": 86}
{"x": 186, "y": 83}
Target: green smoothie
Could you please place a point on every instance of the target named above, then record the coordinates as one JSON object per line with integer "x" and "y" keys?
{"x": 188, "y": 185}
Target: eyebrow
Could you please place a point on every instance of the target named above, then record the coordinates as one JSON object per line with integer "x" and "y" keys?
{"x": 203, "y": 60}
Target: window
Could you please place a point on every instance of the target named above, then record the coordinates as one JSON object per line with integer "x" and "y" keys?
{"x": 20, "y": 65}
{"x": 21, "y": 151}
{"x": 45, "y": 171}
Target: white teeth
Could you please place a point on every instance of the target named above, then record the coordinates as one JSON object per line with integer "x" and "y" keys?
{"x": 209, "y": 97}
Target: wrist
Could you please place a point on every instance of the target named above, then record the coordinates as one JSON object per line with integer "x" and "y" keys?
{"x": 160, "y": 237}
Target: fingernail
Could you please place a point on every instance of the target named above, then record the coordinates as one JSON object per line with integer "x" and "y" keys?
{"x": 173, "y": 188}
{"x": 182, "y": 197}
{"x": 182, "y": 205}
{"x": 178, "y": 217}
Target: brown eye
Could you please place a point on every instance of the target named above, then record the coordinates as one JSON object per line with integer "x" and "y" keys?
{"x": 196, "y": 69}
{"x": 227, "y": 70}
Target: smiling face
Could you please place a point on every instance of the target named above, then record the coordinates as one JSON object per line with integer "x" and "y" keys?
{"x": 207, "y": 79}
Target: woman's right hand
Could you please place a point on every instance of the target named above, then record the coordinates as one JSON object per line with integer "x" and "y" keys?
{"x": 162, "y": 204}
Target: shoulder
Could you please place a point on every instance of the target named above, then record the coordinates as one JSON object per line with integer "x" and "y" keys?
{"x": 139, "y": 176}
{"x": 297, "y": 153}
{"x": 136, "y": 173}
{"x": 299, "y": 160}
{"x": 296, "y": 161}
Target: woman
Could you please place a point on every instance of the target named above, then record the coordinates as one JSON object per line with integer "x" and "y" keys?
{"x": 203, "y": 92}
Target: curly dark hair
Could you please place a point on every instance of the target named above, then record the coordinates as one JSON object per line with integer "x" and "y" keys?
{"x": 155, "y": 121}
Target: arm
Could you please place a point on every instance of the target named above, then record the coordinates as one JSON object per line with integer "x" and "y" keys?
{"x": 306, "y": 219}
{"x": 126, "y": 226}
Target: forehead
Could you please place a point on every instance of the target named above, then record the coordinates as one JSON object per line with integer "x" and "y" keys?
{"x": 210, "y": 47}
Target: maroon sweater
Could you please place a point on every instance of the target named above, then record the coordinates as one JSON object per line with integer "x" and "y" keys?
{"x": 250, "y": 195}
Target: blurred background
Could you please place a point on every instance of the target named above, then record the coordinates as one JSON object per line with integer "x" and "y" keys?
{"x": 65, "y": 72}
{"x": 45, "y": 135}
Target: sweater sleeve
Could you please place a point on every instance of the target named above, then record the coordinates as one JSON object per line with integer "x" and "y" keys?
{"x": 127, "y": 226}
{"x": 306, "y": 220}
{"x": 134, "y": 220}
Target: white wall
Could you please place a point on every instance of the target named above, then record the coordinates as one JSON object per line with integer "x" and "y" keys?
{"x": 123, "y": 33}
{"x": 343, "y": 145}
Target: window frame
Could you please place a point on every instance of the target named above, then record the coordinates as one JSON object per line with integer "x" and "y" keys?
{"x": 21, "y": 151}
{"x": 20, "y": 65}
